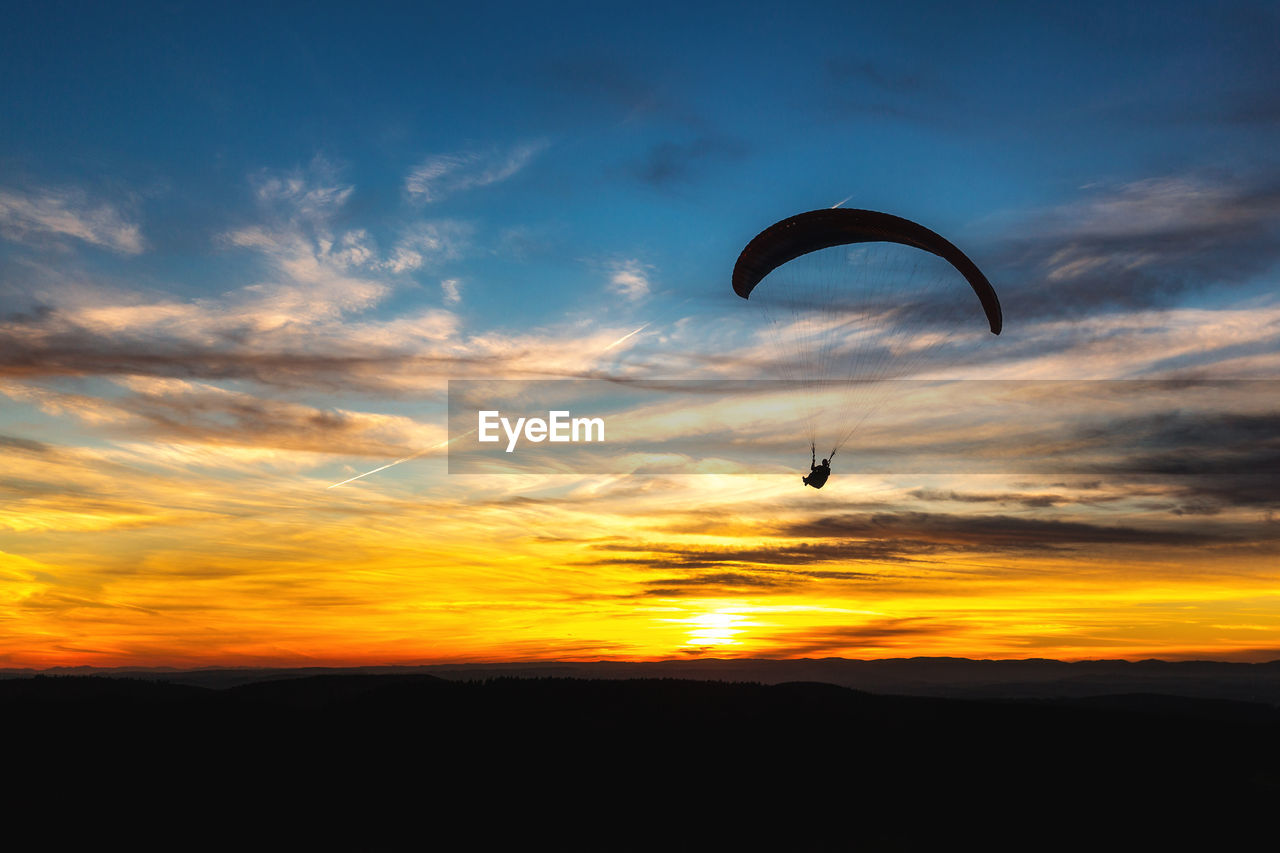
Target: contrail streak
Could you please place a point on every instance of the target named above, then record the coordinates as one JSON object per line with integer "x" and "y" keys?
{"x": 398, "y": 461}
{"x": 624, "y": 337}
{"x": 468, "y": 432}
{"x": 842, "y": 201}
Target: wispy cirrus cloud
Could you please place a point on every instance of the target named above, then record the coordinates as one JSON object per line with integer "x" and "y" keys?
{"x": 425, "y": 244}
{"x": 861, "y": 547}
{"x": 1159, "y": 205}
{"x": 177, "y": 411}
{"x": 876, "y": 633}
{"x": 308, "y": 320}
{"x": 313, "y": 193}
{"x": 208, "y": 340}
{"x": 915, "y": 531}
{"x": 320, "y": 275}
{"x": 629, "y": 278}
{"x": 442, "y": 175}
{"x": 1142, "y": 244}
{"x": 48, "y": 215}
{"x": 1227, "y": 342}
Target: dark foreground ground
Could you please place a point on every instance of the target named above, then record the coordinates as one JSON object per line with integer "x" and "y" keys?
{"x": 414, "y": 761}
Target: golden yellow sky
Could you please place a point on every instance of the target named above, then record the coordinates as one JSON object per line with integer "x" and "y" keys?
{"x": 161, "y": 521}
{"x": 205, "y": 555}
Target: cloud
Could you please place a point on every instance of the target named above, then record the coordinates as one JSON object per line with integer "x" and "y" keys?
{"x": 880, "y": 540}
{"x": 1155, "y": 207}
{"x": 832, "y": 640}
{"x": 629, "y": 279}
{"x": 781, "y": 554}
{"x": 311, "y": 193}
{"x": 1027, "y": 500}
{"x": 12, "y": 443}
{"x": 29, "y": 217}
{"x": 200, "y": 413}
{"x": 451, "y": 288}
{"x": 274, "y": 337}
{"x": 314, "y": 272}
{"x": 298, "y": 324}
{"x": 428, "y": 244}
{"x": 300, "y": 241}
{"x": 307, "y": 324}
{"x": 669, "y": 162}
{"x": 1099, "y": 342}
{"x": 695, "y": 585}
{"x": 1141, "y": 245}
{"x": 443, "y": 175}
{"x": 913, "y": 531}
{"x": 1179, "y": 441}
{"x": 1214, "y": 495}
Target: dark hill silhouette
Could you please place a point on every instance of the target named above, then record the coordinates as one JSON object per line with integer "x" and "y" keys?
{"x": 616, "y": 763}
{"x": 951, "y": 677}
{"x": 321, "y": 691}
{"x": 1219, "y": 710}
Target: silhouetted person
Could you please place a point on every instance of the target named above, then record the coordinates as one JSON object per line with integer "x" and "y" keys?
{"x": 819, "y": 473}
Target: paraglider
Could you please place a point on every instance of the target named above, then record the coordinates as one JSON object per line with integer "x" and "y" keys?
{"x": 854, "y": 318}
{"x": 818, "y": 474}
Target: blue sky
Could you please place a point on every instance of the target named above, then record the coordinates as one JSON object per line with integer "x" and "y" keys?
{"x": 659, "y": 134}
{"x": 243, "y": 247}
{"x": 494, "y": 178}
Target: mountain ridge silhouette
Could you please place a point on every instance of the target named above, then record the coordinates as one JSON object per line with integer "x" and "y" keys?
{"x": 920, "y": 676}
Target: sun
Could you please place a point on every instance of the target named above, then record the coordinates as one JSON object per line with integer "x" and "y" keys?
{"x": 714, "y": 625}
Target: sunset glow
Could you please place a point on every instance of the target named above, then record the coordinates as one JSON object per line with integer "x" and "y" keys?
{"x": 239, "y": 270}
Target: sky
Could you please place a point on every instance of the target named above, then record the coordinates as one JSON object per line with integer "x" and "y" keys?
{"x": 245, "y": 249}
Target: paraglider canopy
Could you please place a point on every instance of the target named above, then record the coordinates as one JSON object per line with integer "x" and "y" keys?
{"x": 822, "y": 229}
{"x": 854, "y": 299}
